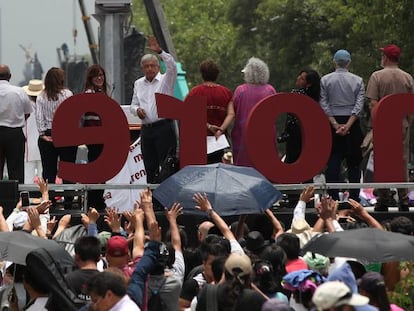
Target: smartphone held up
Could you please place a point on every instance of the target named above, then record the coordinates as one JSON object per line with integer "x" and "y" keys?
{"x": 24, "y": 195}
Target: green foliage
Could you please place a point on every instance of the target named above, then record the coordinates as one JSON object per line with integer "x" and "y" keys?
{"x": 401, "y": 296}
{"x": 200, "y": 30}
{"x": 287, "y": 34}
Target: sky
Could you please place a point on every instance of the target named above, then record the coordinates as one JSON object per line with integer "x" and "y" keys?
{"x": 42, "y": 25}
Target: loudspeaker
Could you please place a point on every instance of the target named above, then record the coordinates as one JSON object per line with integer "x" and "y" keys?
{"x": 9, "y": 195}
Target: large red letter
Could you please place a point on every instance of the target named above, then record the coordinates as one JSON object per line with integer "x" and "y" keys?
{"x": 260, "y": 138}
{"x": 389, "y": 163}
{"x": 113, "y": 134}
{"x": 192, "y": 118}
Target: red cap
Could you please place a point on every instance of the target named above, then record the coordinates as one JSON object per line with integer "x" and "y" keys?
{"x": 117, "y": 246}
{"x": 391, "y": 51}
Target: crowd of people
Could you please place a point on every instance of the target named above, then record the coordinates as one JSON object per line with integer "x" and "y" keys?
{"x": 341, "y": 95}
{"x": 130, "y": 262}
{"x": 135, "y": 264}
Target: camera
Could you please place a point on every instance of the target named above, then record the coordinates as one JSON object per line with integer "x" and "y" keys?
{"x": 24, "y": 195}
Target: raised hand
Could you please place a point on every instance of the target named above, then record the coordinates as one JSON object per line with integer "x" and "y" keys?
{"x": 175, "y": 211}
{"x": 307, "y": 194}
{"x": 153, "y": 44}
{"x": 146, "y": 196}
{"x": 154, "y": 231}
{"x": 43, "y": 207}
{"x": 203, "y": 204}
{"x": 113, "y": 219}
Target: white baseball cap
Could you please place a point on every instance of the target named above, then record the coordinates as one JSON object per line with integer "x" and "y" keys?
{"x": 335, "y": 294}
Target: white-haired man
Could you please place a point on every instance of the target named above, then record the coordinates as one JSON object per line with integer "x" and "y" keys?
{"x": 158, "y": 137}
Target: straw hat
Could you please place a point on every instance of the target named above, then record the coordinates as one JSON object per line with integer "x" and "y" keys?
{"x": 34, "y": 88}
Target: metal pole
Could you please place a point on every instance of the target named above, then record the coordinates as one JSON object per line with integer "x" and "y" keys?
{"x": 89, "y": 33}
{"x": 111, "y": 46}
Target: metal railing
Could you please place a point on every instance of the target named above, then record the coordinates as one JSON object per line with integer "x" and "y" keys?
{"x": 84, "y": 188}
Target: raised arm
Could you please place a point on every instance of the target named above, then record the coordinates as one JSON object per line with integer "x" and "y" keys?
{"x": 43, "y": 188}
{"x": 203, "y": 204}
{"x": 277, "y": 227}
{"x": 240, "y": 227}
{"x": 328, "y": 213}
{"x": 3, "y": 224}
{"x": 113, "y": 220}
{"x": 63, "y": 223}
{"x": 146, "y": 264}
{"x": 363, "y": 214}
{"x": 137, "y": 221}
{"x": 147, "y": 206}
{"x": 305, "y": 197}
{"x": 35, "y": 222}
{"x": 172, "y": 215}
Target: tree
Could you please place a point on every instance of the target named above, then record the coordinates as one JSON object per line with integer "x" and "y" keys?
{"x": 200, "y": 30}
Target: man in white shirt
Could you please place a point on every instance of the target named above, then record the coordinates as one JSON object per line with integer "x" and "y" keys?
{"x": 15, "y": 108}
{"x": 158, "y": 138}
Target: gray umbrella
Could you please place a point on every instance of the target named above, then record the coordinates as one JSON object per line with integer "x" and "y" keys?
{"x": 232, "y": 190}
{"x": 368, "y": 245}
{"x": 15, "y": 245}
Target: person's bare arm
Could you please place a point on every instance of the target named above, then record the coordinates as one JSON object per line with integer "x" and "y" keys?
{"x": 3, "y": 224}
{"x": 227, "y": 120}
{"x": 326, "y": 212}
{"x": 147, "y": 206}
{"x": 35, "y": 222}
{"x": 203, "y": 204}
{"x": 240, "y": 227}
{"x": 172, "y": 215}
{"x": 319, "y": 225}
{"x": 63, "y": 223}
{"x": 373, "y": 106}
{"x": 363, "y": 214}
{"x": 43, "y": 188}
{"x": 50, "y": 226}
{"x": 277, "y": 227}
{"x": 43, "y": 207}
{"x": 137, "y": 221}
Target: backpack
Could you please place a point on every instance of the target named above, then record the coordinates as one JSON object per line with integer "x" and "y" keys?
{"x": 155, "y": 302}
{"x": 49, "y": 267}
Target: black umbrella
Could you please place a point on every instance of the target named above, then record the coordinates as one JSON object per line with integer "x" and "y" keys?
{"x": 367, "y": 245}
{"x": 15, "y": 245}
{"x": 232, "y": 190}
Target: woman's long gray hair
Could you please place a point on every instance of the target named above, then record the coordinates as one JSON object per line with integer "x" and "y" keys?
{"x": 256, "y": 71}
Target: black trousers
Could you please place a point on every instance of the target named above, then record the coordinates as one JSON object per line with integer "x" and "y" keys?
{"x": 95, "y": 197}
{"x": 346, "y": 148}
{"x": 50, "y": 154}
{"x": 12, "y": 146}
{"x": 157, "y": 140}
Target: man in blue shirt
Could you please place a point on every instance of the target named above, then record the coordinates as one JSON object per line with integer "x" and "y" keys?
{"x": 342, "y": 99}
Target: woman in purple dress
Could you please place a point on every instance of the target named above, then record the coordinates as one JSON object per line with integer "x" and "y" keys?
{"x": 246, "y": 96}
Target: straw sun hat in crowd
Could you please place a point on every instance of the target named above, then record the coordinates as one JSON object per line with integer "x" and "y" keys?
{"x": 34, "y": 87}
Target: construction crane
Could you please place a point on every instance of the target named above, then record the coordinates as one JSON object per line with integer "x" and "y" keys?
{"x": 119, "y": 51}
{"x": 93, "y": 47}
